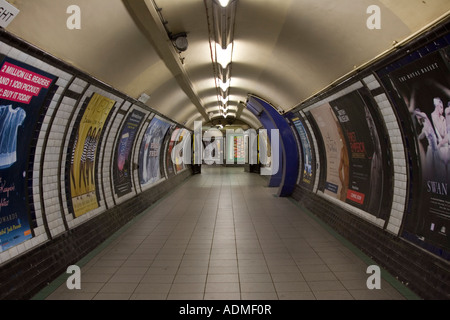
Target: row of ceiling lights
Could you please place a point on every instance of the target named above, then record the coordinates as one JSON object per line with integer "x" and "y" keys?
{"x": 222, "y": 46}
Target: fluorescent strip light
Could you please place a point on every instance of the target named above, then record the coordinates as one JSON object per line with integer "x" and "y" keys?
{"x": 224, "y": 56}
{"x": 223, "y": 86}
{"x": 225, "y": 100}
{"x": 224, "y": 3}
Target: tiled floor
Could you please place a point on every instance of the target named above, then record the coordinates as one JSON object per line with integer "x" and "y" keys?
{"x": 224, "y": 235}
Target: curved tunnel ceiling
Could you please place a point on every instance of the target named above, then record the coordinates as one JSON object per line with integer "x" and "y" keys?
{"x": 285, "y": 51}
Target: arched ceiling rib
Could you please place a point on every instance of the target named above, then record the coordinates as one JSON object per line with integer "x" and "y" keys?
{"x": 284, "y": 50}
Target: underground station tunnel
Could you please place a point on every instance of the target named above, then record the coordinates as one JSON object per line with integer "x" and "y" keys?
{"x": 224, "y": 150}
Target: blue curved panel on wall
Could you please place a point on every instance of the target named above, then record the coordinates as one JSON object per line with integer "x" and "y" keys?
{"x": 286, "y": 177}
{"x": 259, "y": 111}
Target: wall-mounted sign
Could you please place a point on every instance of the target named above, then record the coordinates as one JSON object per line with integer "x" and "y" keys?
{"x": 7, "y": 13}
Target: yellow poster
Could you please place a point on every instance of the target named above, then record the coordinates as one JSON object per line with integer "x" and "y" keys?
{"x": 82, "y": 170}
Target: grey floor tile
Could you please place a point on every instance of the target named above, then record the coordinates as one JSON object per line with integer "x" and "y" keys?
{"x": 292, "y": 286}
{"x": 288, "y": 277}
{"x": 261, "y": 287}
{"x": 190, "y": 278}
{"x": 160, "y": 288}
{"x": 326, "y": 286}
{"x": 112, "y": 296}
{"x": 187, "y": 288}
{"x": 222, "y": 287}
{"x": 259, "y": 296}
{"x": 118, "y": 288}
{"x": 319, "y": 276}
{"x": 299, "y": 296}
{"x": 95, "y": 278}
{"x": 333, "y": 295}
{"x": 223, "y": 296}
{"x": 72, "y": 296}
{"x": 185, "y": 296}
{"x": 148, "y": 296}
{"x": 223, "y": 278}
{"x": 126, "y": 278}
{"x": 158, "y": 278}
{"x": 255, "y": 278}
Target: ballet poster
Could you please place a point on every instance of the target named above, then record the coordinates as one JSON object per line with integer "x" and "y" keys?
{"x": 25, "y": 94}
{"x": 84, "y": 155}
{"x": 422, "y": 87}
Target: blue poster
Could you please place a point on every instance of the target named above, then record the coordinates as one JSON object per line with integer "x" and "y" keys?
{"x": 122, "y": 167}
{"x": 25, "y": 94}
{"x": 150, "y": 153}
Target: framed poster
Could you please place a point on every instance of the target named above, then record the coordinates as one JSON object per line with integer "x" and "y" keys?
{"x": 86, "y": 141}
{"x": 308, "y": 162}
{"x": 337, "y": 159}
{"x": 356, "y": 155}
{"x": 419, "y": 86}
{"x": 25, "y": 94}
{"x": 122, "y": 161}
{"x": 150, "y": 151}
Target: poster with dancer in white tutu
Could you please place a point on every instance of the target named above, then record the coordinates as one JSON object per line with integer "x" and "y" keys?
{"x": 423, "y": 87}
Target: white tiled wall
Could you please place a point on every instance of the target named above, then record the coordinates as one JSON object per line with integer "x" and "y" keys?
{"x": 400, "y": 178}
{"x": 49, "y": 190}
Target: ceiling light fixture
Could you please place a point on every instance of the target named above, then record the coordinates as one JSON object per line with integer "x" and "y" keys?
{"x": 224, "y": 56}
{"x": 225, "y": 100}
{"x": 224, "y": 3}
{"x": 224, "y": 86}
{"x": 221, "y": 21}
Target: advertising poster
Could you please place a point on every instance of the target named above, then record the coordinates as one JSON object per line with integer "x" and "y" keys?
{"x": 25, "y": 94}
{"x": 184, "y": 134}
{"x": 337, "y": 159}
{"x": 169, "y": 143}
{"x": 422, "y": 90}
{"x": 365, "y": 156}
{"x": 308, "y": 166}
{"x": 239, "y": 149}
{"x": 122, "y": 160}
{"x": 150, "y": 152}
{"x": 83, "y": 158}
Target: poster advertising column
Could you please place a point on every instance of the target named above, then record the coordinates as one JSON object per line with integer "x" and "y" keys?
{"x": 25, "y": 94}
{"x": 365, "y": 158}
{"x": 422, "y": 93}
{"x": 84, "y": 152}
{"x": 122, "y": 160}
{"x": 150, "y": 151}
{"x": 337, "y": 159}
